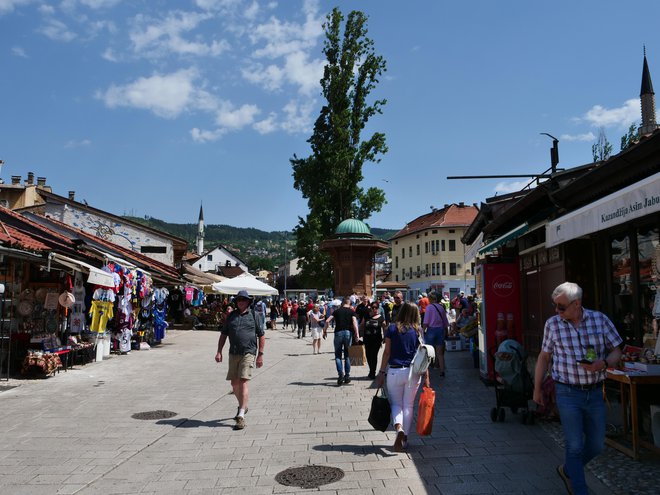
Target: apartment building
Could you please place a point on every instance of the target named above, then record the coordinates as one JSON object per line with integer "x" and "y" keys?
{"x": 427, "y": 254}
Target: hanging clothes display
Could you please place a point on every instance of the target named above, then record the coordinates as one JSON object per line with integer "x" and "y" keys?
{"x": 198, "y": 300}
{"x": 102, "y": 309}
{"x": 160, "y": 313}
{"x": 78, "y": 310}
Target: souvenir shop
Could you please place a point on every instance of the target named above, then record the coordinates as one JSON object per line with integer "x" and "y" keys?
{"x": 61, "y": 312}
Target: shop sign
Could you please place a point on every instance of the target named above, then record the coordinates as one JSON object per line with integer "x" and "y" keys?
{"x": 635, "y": 201}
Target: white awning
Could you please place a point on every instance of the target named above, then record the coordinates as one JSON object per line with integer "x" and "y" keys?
{"x": 96, "y": 275}
{"x": 244, "y": 282}
{"x": 472, "y": 251}
{"x": 635, "y": 201}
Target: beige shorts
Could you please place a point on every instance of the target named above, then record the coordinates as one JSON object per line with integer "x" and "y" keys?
{"x": 240, "y": 366}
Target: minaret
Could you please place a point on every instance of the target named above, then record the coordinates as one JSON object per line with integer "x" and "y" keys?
{"x": 200, "y": 232}
{"x": 647, "y": 97}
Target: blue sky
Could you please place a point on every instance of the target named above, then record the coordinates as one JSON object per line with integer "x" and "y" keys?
{"x": 149, "y": 107}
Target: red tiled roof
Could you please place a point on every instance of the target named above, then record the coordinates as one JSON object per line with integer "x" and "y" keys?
{"x": 452, "y": 216}
{"x": 18, "y": 231}
{"x": 17, "y": 239}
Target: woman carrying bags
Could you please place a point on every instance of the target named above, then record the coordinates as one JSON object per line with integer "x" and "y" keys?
{"x": 401, "y": 342}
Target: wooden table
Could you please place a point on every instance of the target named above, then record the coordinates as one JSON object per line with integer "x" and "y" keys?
{"x": 628, "y": 385}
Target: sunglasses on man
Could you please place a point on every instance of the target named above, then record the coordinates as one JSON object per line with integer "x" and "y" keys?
{"x": 562, "y": 307}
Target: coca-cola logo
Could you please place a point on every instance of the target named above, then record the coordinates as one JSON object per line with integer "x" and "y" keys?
{"x": 503, "y": 286}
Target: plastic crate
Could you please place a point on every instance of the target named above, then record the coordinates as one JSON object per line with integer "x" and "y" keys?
{"x": 453, "y": 344}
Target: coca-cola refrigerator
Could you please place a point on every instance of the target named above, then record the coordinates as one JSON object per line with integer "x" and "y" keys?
{"x": 498, "y": 284}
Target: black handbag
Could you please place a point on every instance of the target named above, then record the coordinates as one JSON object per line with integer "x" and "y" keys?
{"x": 379, "y": 415}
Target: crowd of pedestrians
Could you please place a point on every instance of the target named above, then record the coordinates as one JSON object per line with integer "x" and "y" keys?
{"x": 389, "y": 327}
{"x": 398, "y": 327}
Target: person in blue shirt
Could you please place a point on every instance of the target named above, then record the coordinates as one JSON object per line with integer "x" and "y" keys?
{"x": 401, "y": 342}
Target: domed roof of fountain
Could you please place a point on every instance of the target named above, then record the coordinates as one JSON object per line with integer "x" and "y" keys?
{"x": 352, "y": 227}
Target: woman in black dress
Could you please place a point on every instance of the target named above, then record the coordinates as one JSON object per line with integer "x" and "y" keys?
{"x": 372, "y": 330}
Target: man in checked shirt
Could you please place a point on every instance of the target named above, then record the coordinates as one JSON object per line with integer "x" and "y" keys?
{"x": 567, "y": 338}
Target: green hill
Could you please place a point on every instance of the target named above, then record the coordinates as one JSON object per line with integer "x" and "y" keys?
{"x": 257, "y": 248}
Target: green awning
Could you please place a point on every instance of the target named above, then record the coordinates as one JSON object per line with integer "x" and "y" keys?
{"x": 503, "y": 239}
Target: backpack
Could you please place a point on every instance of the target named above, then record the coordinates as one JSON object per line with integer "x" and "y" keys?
{"x": 424, "y": 357}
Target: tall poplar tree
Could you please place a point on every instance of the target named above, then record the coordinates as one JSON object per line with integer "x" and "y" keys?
{"x": 330, "y": 177}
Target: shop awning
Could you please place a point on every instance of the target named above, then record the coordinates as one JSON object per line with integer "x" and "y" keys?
{"x": 96, "y": 275}
{"x": 19, "y": 253}
{"x": 473, "y": 250}
{"x": 635, "y": 201}
{"x": 503, "y": 239}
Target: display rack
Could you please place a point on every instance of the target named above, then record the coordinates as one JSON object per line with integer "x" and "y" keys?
{"x": 6, "y": 310}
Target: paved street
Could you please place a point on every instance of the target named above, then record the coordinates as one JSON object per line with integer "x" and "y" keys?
{"x": 73, "y": 433}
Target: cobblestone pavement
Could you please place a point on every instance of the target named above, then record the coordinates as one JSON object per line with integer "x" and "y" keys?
{"x": 73, "y": 433}
{"x": 620, "y": 473}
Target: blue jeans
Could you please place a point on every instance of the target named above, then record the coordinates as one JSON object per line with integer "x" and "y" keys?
{"x": 342, "y": 343}
{"x": 582, "y": 414}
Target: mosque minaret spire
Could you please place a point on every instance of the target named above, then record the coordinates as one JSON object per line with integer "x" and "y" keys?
{"x": 647, "y": 98}
{"x": 200, "y": 231}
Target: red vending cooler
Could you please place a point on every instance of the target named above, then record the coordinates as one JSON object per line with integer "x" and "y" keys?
{"x": 499, "y": 287}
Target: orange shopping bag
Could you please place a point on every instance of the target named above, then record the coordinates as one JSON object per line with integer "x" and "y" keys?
{"x": 425, "y": 411}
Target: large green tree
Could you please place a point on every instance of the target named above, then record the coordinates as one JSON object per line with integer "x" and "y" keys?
{"x": 330, "y": 177}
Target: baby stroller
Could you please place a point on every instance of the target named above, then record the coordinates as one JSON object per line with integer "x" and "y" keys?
{"x": 514, "y": 387}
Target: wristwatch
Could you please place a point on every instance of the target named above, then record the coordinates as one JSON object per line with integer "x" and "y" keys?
{"x": 260, "y": 354}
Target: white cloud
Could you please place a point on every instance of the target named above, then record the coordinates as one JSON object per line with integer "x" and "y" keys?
{"x": 57, "y": 31}
{"x": 509, "y": 187}
{"x": 589, "y": 136}
{"x": 160, "y": 38}
{"x": 268, "y": 125}
{"x": 166, "y": 96}
{"x": 622, "y": 117}
{"x": 78, "y": 144}
{"x": 233, "y": 118}
{"x": 18, "y": 51}
{"x": 45, "y": 9}
{"x": 109, "y": 55}
{"x": 99, "y": 4}
{"x": 288, "y": 45}
{"x": 96, "y": 27}
{"x": 295, "y": 70}
{"x": 298, "y": 116}
{"x": 251, "y": 11}
{"x": 217, "y": 4}
{"x": 303, "y": 73}
{"x": 7, "y": 6}
{"x": 202, "y": 136}
{"x": 269, "y": 78}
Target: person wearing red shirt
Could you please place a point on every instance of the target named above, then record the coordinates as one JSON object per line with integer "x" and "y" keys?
{"x": 423, "y": 303}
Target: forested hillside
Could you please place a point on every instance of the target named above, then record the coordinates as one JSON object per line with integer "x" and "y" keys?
{"x": 258, "y": 248}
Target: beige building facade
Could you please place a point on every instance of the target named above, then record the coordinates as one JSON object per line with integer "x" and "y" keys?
{"x": 427, "y": 254}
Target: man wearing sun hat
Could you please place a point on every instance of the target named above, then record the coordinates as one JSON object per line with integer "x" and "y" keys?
{"x": 246, "y": 340}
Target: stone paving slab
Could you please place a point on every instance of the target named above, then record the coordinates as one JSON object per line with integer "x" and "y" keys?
{"x": 73, "y": 433}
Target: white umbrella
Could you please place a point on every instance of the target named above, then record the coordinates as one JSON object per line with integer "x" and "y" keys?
{"x": 244, "y": 282}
